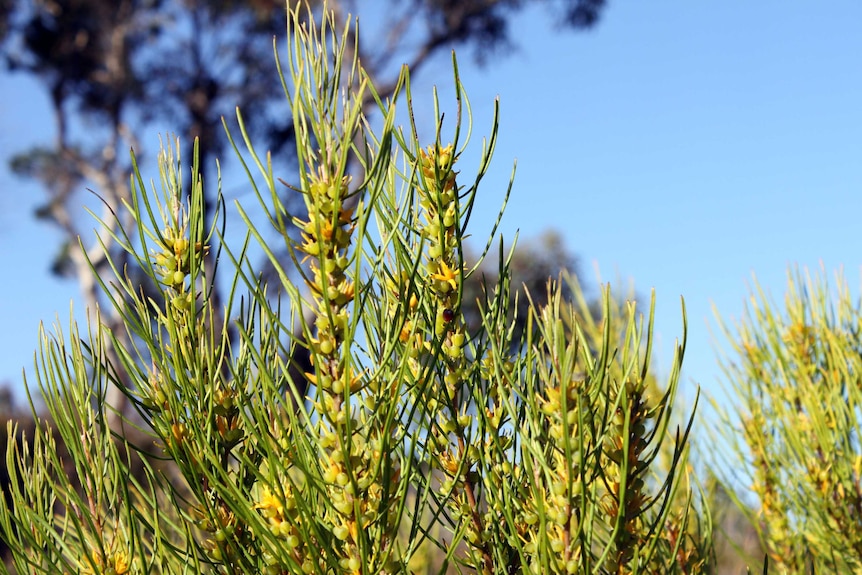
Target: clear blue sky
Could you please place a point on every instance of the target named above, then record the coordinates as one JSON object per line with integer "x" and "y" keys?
{"x": 683, "y": 146}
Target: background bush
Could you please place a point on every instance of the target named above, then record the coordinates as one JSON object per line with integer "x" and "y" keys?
{"x": 794, "y": 375}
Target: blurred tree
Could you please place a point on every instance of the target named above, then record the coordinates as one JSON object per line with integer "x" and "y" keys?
{"x": 5, "y": 11}
{"x": 112, "y": 68}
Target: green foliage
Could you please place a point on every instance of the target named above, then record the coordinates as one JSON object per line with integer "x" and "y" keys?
{"x": 411, "y": 445}
{"x": 796, "y": 378}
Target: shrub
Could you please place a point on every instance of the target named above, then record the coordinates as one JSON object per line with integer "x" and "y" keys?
{"x": 409, "y": 445}
{"x": 797, "y": 380}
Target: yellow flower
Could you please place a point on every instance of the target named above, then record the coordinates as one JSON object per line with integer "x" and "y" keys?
{"x": 404, "y": 336}
{"x": 326, "y": 230}
{"x": 433, "y": 158}
{"x": 446, "y": 274}
{"x": 118, "y": 563}
{"x": 347, "y": 290}
{"x": 121, "y": 563}
{"x": 269, "y": 503}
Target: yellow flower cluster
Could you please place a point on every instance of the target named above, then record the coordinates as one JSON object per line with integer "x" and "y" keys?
{"x": 773, "y": 509}
{"x": 439, "y": 198}
{"x": 562, "y": 408}
{"x": 353, "y": 470}
{"x": 115, "y": 563}
{"x": 326, "y": 236}
{"x": 278, "y": 505}
{"x": 626, "y": 443}
{"x": 173, "y": 261}
{"x": 439, "y": 284}
{"x": 455, "y": 457}
{"x": 326, "y": 239}
{"x": 283, "y": 519}
{"x": 221, "y": 525}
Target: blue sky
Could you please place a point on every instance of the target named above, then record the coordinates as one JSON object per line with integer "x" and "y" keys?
{"x": 682, "y": 146}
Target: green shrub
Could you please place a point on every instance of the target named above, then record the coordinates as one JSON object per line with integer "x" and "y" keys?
{"x": 410, "y": 445}
{"x": 795, "y": 377}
